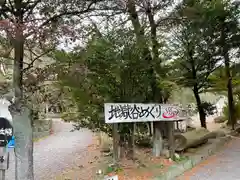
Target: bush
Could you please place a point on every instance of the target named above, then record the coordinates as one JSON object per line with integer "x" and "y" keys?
{"x": 237, "y": 110}
{"x": 209, "y": 108}
{"x": 143, "y": 140}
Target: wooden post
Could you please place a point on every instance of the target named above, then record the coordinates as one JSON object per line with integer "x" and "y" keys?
{"x": 152, "y": 131}
{"x": 157, "y": 140}
{"x": 2, "y": 174}
{"x": 171, "y": 139}
{"x": 133, "y": 139}
{"x": 115, "y": 143}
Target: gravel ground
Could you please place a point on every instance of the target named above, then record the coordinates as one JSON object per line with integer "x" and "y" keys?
{"x": 222, "y": 166}
{"x": 54, "y": 154}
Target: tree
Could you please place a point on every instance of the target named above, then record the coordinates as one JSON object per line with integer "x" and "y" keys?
{"x": 222, "y": 18}
{"x": 225, "y": 22}
{"x": 216, "y": 18}
{"x": 22, "y": 21}
{"x": 110, "y": 69}
{"x": 148, "y": 45}
{"x": 195, "y": 58}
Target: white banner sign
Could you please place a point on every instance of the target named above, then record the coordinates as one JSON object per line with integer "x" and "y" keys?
{"x": 137, "y": 112}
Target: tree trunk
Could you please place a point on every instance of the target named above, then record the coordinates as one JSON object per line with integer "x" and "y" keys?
{"x": 231, "y": 112}
{"x": 21, "y": 115}
{"x": 23, "y": 145}
{"x": 116, "y": 147}
{"x": 225, "y": 54}
{"x": 192, "y": 138}
{"x": 131, "y": 141}
{"x": 201, "y": 112}
{"x": 231, "y": 118}
{"x": 141, "y": 41}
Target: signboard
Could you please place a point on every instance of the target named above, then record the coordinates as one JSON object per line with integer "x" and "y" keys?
{"x": 138, "y": 112}
{"x": 11, "y": 143}
{"x": 111, "y": 178}
{"x": 6, "y": 131}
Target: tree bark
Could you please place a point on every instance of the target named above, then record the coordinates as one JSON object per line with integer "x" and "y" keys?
{"x": 23, "y": 145}
{"x": 231, "y": 110}
{"x": 155, "y": 95}
{"x": 195, "y": 89}
{"x": 131, "y": 141}
{"x": 201, "y": 112}
{"x": 21, "y": 115}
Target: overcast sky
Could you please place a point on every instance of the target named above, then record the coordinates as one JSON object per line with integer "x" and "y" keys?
{"x": 69, "y": 45}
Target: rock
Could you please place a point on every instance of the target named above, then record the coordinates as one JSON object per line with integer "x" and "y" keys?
{"x": 219, "y": 119}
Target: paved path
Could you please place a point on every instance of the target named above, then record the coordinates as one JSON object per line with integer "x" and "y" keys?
{"x": 225, "y": 165}
{"x": 57, "y": 152}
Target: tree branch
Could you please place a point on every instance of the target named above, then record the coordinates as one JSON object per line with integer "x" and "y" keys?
{"x": 31, "y": 8}
{"x": 57, "y": 16}
{"x": 30, "y": 65}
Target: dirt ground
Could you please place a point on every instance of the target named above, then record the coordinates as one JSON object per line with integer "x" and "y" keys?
{"x": 91, "y": 161}
{"x": 144, "y": 168}
{"x": 87, "y": 163}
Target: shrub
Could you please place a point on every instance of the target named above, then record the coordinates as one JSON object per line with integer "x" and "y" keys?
{"x": 209, "y": 108}
{"x": 237, "y": 110}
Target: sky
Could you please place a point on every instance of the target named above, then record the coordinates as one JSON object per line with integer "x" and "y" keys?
{"x": 101, "y": 24}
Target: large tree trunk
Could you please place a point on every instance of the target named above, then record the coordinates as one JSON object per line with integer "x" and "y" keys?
{"x": 201, "y": 112}
{"x": 192, "y": 138}
{"x": 21, "y": 115}
{"x": 24, "y": 145}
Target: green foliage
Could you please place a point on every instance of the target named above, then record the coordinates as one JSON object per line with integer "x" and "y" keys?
{"x": 237, "y": 110}
{"x": 218, "y": 81}
{"x": 113, "y": 169}
{"x": 209, "y": 108}
{"x": 109, "y": 69}
{"x": 115, "y": 67}
{"x": 180, "y": 158}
